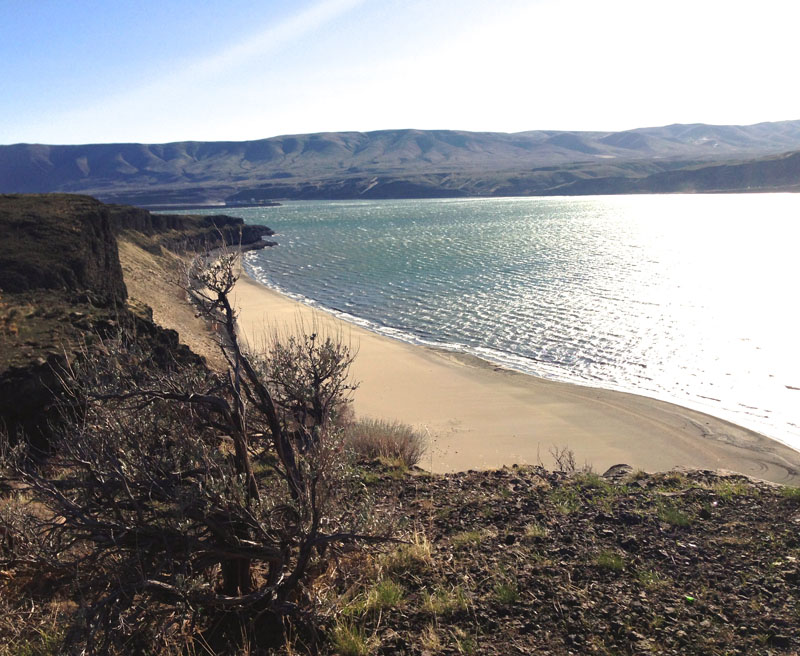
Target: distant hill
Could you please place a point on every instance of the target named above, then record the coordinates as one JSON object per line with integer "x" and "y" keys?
{"x": 775, "y": 173}
{"x": 414, "y": 163}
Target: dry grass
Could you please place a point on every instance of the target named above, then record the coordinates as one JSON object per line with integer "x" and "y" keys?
{"x": 410, "y": 558}
{"x": 378, "y": 438}
{"x": 33, "y": 609}
{"x": 153, "y": 280}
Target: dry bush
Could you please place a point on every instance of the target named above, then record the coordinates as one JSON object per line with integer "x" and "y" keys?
{"x": 379, "y": 438}
{"x": 34, "y": 600}
{"x": 28, "y": 625}
{"x": 564, "y": 459}
{"x": 307, "y": 372}
{"x": 186, "y": 503}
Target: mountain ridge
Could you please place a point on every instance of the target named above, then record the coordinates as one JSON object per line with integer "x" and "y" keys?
{"x": 393, "y": 163}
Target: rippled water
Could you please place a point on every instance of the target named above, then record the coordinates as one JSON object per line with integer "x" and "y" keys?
{"x": 688, "y": 298}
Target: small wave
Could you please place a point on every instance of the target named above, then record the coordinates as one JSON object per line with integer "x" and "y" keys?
{"x": 534, "y": 291}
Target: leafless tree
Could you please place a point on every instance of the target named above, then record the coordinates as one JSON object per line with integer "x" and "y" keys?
{"x": 307, "y": 373}
{"x": 184, "y": 496}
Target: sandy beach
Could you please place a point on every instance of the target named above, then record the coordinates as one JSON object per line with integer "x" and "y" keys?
{"x": 478, "y": 415}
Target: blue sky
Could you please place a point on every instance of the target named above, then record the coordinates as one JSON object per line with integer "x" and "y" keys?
{"x": 94, "y": 71}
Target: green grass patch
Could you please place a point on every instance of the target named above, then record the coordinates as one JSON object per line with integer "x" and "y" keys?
{"x": 47, "y": 644}
{"x": 446, "y": 601}
{"x": 370, "y": 478}
{"x": 468, "y": 539}
{"x": 397, "y": 469}
{"x": 791, "y": 492}
{"x": 566, "y": 499}
{"x": 727, "y": 490}
{"x": 506, "y": 592}
{"x": 593, "y": 481}
{"x": 609, "y": 560}
{"x": 673, "y": 516}
{"x": 385, "y": 595}
{"x": 351, "y": 640}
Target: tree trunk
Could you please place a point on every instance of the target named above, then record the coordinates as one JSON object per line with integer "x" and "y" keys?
{"x": 236, "y": 577}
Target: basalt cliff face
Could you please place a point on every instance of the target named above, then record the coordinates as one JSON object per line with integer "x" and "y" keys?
{"x": 62, "y": 291}
{"x": 56, "y": 242}
{"x": 187, "y": 232}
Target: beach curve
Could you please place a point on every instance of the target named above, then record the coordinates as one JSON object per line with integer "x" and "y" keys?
{"x": 479, "y": 415}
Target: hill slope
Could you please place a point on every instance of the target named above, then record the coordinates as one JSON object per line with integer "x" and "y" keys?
{"x": 387, "y": 163}
{"x": 524, "y": 561}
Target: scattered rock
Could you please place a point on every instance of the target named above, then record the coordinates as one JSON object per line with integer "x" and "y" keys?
{"x": 617, "y": 472}
{"x": 605, "y": 573}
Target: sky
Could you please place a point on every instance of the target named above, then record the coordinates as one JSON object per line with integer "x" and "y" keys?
{"x": 104, "y": 71}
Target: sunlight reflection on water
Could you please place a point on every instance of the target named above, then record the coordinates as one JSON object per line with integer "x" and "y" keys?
{"x": 689, "y": 298}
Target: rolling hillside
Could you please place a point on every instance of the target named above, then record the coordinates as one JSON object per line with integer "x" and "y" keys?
{"x": 412, "y": 163}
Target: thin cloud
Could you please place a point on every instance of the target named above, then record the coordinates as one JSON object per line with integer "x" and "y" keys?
{"x": 186, "y": 83}
{"x": 271, "y": 38}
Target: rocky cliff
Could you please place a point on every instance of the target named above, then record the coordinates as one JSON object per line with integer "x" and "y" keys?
{"x": 181, "y": 232}
{"x": 62, "y": 290}
{"x": 59, "y": 242}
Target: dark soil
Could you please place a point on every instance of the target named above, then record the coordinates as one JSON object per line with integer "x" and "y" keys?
{"x": 524, "y": 561}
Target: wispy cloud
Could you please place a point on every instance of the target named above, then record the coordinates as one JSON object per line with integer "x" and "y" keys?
{"x": 184, "y": 83}
{"x": 270, "y": 39}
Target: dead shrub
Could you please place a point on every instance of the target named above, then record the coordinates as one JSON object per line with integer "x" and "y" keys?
{"x": 379, "y": 438}
{"x": 307, "y": 373}
{"x": 195, "y": 511}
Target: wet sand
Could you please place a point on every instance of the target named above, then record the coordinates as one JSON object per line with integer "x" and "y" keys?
{"x": 478, "y": 415}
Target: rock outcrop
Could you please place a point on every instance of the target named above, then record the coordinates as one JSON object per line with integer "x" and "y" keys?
{"x": 181, "y": 232}
{"x": 62, "y": 290}
{"x": 59, "y": 242}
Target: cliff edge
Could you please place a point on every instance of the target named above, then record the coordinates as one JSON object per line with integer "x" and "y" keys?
{"x": 62, "y": 289}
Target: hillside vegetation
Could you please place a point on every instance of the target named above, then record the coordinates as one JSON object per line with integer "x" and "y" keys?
{"x": 414, "y": 164}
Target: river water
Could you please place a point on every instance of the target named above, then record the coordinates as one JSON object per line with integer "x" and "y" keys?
{"x": 687, "y": 298}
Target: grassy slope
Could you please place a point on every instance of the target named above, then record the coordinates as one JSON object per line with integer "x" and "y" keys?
{"x": 387, "y": 163}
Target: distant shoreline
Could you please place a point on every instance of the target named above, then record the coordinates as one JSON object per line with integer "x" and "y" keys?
{"x": 205, "y": 206}
{"x": 446, "y": 194}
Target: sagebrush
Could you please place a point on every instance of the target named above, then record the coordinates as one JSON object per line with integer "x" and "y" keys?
{"x": 194, "y": 509}
{"x": 379, "y": 438}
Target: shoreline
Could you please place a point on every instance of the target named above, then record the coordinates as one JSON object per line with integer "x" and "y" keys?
{"x": 479, "y": 415}
{"x": 495, "y": 360}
